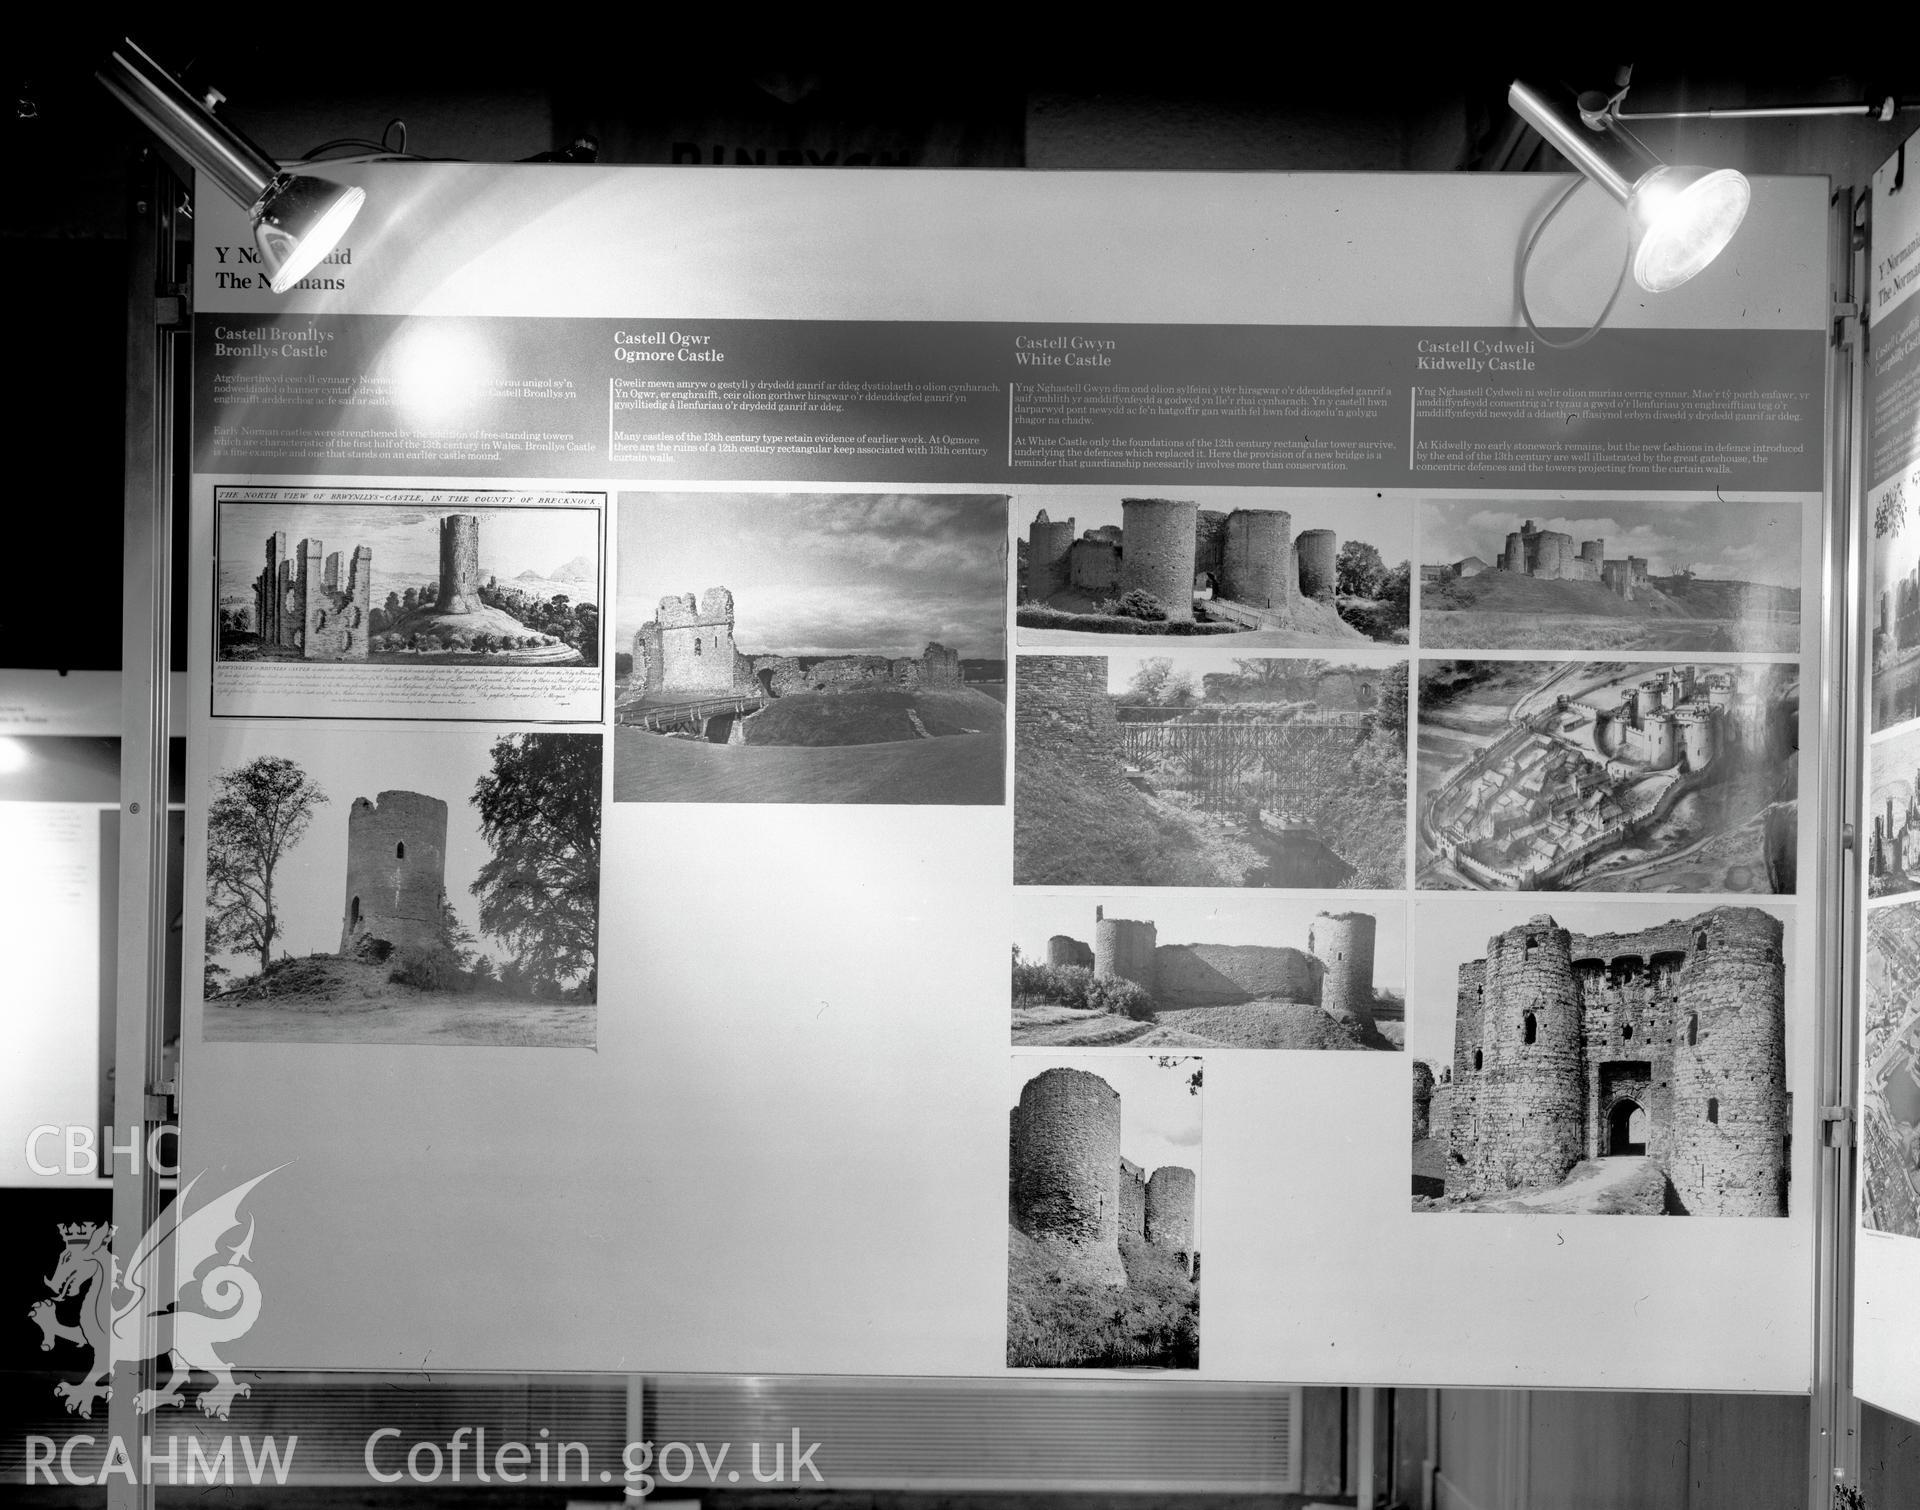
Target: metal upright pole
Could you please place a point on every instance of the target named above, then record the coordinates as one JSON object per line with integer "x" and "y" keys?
{"x": 140, "y": 1102}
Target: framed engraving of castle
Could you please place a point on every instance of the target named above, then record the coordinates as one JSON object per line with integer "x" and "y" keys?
{"x": 1608, "y": 776}
{"x": 1610, "y": 575}
{"x": 436, "y": 886}
{"x": 1632, "y": 1064}
{"x": 1103, "y": 1212}
{"x": 427, "y": 603}
{"x": 811, "y": 648}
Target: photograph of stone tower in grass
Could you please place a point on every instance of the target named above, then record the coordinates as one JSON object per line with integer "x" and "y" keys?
{"x": 1641, "y": 1071}
{"x": 1103, "y": 1213}
{"x": 835, "y": 648}
{"x": 1209, "y": 771}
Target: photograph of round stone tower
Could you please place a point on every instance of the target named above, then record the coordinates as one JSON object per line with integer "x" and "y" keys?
{"x": 1609, "y": 575}
{"x": 424, "y": 887}
{"x": 1262, "y": 972}
{"x": 1264, "y": 567}
{"x": 1641, "y": 1071}
{"x": 1103, "y": 1212}
{"x": 843, "y": 648}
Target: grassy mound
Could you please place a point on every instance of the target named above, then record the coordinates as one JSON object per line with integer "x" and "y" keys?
{"x": 1270, "y": 1025}
{"x": 1069, "y": 832}
{"x": 1039, "y": 616}
{"x": 873, "y": 715}
{"x": 1056, "y": 1319}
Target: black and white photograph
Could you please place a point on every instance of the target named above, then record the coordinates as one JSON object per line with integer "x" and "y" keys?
{"x": 1608, "y": 776}
{"x": 1103, "y": 1212}
{"x": 1893, "y": 810}
{"x": 1895, "y": 605}
{"x": 425, "y": 887}
{"x": 1890, "y": 1081}
{"x": 1260, "y": 567}
{"x": 337, "y": 602}
{"x": 1610, "y": 575}
{"x": 1603, "y": 1059}
{"x": 811, "y": 648}
{"x": 1209, "y": 770}
{"x": 1244, "y": 970}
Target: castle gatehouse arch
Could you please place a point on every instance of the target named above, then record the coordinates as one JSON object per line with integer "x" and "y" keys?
{"x": 1627, "y": 1126}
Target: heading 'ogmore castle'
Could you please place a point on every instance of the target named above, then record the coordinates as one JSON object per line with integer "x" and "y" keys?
{"x": 1669, "y": 1042}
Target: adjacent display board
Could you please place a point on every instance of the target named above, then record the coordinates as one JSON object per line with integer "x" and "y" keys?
{"x": 947, "y": 773}
{"x": 1887, "y": 1268}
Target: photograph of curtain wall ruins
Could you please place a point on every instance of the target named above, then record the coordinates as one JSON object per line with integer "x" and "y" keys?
{"x": 1607, "y": 776}
{"x": 1610, "y": 575}
{"x": 811, "y": 648}
{"x": 1209, "y": 770}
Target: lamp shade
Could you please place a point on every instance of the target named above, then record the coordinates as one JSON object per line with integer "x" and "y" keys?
{"x": 1683, "y": 218}
{"x": 298, "y": 220}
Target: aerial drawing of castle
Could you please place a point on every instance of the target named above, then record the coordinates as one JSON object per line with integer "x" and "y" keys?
{"x": 1666, "y": 1045}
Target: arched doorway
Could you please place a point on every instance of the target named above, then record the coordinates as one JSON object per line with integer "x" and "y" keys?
{"x": 1626, "y": 1129}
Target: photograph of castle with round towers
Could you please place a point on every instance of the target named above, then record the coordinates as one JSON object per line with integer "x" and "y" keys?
{"x": 1893, "y": 805}
{"x": 1103, "y": 1212}
{"x": 1261, "y": 972}
{"x": 421, "y": 887}
{"x": 1895, "y": 606}
{"x": 1204, "y": 770}
{"x": 1610, "y": 575}
{"x": 1262, "y": 567}
{"x": 836, "y": 648}
{"x": 1608, "y": 776}
{"x": 337, "y": 602}
{"x": 1637, "y": 1069}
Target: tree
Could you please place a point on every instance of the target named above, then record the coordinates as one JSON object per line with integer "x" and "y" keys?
{"x": 259, "y": 812}
{"x": 1358, "y": 570}
{"x": 540, "y": 893}
{"x": 1158, "y": 683}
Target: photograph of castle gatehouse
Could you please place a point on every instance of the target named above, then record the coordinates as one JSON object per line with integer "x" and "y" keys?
{"x": 1246, "y": 970}
{"x": 435, "y": 887}
{"x": 1104, "y": 1212}
{"x": 1261, "y": 567}
{"x": 833, "y": 648}
{"x": 1637, "y": 1069}
{"x": 1609, "y": 575}
{"x": 1198, "y": 769}
{"x": 1608, "y": 776}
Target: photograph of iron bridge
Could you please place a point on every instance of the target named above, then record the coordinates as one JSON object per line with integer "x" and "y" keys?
{"x": 694, "y": 716}
{"x": 1229, "y": 765}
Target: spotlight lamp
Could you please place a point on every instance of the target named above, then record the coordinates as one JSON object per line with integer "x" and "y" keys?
{"x": 1679, "y": 218}
{"x": 296, "y": 219}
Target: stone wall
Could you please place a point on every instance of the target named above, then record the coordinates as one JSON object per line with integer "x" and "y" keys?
{"x": 1061, "y": 708}
{"x": 1206, "y": 975}
{"x": 1170, "y": 1208}
{"x": 1133, "y": 1199}
{"x": 1124, "y": 950}
{"x": 1319, "y": 573}
{"x": 459, "y": 564}
{"x": 1063, "y": 950}
{"x": 1157, "y": 557}
{"x": 1066, "y": 1166}
{"x": 695, "y": 648}
{"x": 396, "y": 871}
{"x": 1048, "y": 545}
{"x": 301, "y": 603}
{"x": 1094, "y": 566}
{"x": 1343, "y": 943}
{"x": 1209, "y": 545}
{"x": 1257, "y": 564}
{"x": 1422, "y": 1101}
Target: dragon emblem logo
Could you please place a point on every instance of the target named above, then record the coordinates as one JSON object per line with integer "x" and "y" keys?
{"x": 146, "y": 1315}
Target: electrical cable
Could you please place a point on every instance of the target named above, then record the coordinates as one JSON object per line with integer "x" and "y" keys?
{"x": 1526, "y": 257}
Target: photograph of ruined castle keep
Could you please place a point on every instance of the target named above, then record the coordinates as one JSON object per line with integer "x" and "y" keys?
{"x": 1260, "y": 972}
{"x": 1632, "y": 1072}
{"x": 439, "y": 579}
{"x": 1608, "y": 776}
{"x": 1103, "y": 1212}
{"x": 1263, "y": 567}
{"x": 1610, "y": 575}
{"x": 1890, "y": 1086}
{"x": 839, "y": 648}
{"x": 1209, "y": 771}
{"x": 424, "y": 887}
{"x": 1893, "y": 802}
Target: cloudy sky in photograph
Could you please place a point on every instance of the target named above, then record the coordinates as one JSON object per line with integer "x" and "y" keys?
{"x": 823, "y": 573}
{"x": 1159, "y": 1115}
{"x": 1725, "y": 541}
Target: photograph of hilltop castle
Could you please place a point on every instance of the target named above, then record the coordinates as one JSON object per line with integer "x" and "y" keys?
{"x": 1610, "y": 575}
{"x": 1103, "y": 1212}
{"x": 1636, "y": 1069}
{"x": 1893, "y": 804}
{"x": 1608, "y": 776}
{"x": 1260, "y": 972}
{"x": 1204, "y": 770}
{"x": 423, "y": 887}
{"x": 1261, "y": 567}
{"x": 1890, "y": 1087}
{"x": 839, "y": 648}
{"x": 316, "y": 581}
{"x": 1895, "y": 606}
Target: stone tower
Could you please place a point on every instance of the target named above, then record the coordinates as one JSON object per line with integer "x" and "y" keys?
{"x": 1257, "y": 562}
{"x": 1123, "y": 950}
{"x": 396, "y": 872}
{"x": 1158, "y": 553}
{"x": 1048, "y": 548}
{"x": 1066, "y": 1168}
{"x": 1318, "y": 570}
{"x": 1422, "y": 1100}
{"x": 1343, "y": 943}
{"x": 1170, "y": 1207}
{"x": 459, "y": 564}
{"x": 1729, "y": 1068}
{"x": 1064, "y": 949}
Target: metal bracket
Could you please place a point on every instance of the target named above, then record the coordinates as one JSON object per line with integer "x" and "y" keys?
{"x": 1847, "y": 836}
{"x": 1837, "y": 1126}
{"x": 173, "y": 307}
{"x": 163, "y": 1101}
{"x": 1846, "y": 322}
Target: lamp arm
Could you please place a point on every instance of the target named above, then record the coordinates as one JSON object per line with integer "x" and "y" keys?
{"x": 164, "y": 106}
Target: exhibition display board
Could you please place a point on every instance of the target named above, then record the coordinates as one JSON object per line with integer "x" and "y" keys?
{"x": 665, "y": 645}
